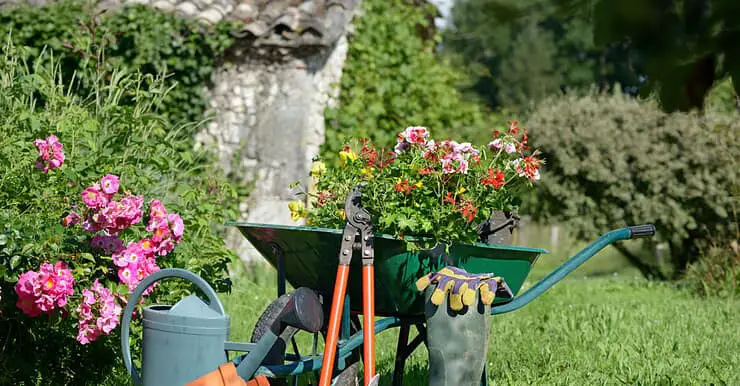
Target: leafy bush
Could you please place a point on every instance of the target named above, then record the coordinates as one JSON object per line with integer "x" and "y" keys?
{"x": 717, "y": 273}
{"x": 392, "y": 79}
{"x": 101, "y": 135}
{"x": 135, "y": 37}
{"x": 442, "y": 190}
{"x": 613, "y": 161}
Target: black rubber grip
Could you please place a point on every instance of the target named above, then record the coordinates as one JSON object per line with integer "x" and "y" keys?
{"x": 638, "y": 231}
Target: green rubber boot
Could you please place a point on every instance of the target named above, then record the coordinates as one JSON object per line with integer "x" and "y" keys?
{"x": 457, "y": 341}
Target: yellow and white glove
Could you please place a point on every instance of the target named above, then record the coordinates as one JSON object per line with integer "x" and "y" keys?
{"x": 462, "y": 287}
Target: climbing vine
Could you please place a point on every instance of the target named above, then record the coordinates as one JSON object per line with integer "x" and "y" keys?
{"x": 133, "y": 38}
{"x": 393, "y": 79}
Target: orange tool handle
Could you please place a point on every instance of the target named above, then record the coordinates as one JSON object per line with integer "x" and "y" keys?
{"x": 332, "y": 333}
{"x": 368, "y": 321}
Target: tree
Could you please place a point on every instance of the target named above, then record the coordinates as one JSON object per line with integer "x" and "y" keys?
{"x": 686, "y": 45}
{"x": 521, "y": 51}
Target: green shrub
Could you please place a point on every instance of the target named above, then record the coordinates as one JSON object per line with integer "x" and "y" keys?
{"x": 612, "y": 161}
{"x": 101, "y": 135}
{"x": 135, "y": 37}
{"x": 392, "y": 79}
{"x": 717, "y": 273}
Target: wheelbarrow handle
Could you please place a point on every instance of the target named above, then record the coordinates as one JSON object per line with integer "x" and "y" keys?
{"x": 632, "y": 232}
{"x": 639, "y": 231}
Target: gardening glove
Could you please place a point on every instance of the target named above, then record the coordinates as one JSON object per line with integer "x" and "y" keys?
{"x": 462, "y": 287}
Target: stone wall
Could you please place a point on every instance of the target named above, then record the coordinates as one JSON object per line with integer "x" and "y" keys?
{"x": 269, "y": 123}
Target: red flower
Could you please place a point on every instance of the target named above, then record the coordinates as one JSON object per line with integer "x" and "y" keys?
{"x": 468, "y": 210}
{"x": 495, "y": 178}
{"x": 404, "y": 187}
{"x": 324, "y": 196}
{"x": 514, "y": 127}
{"x": 449, "y": 198}
{"x": 426, "y": 170}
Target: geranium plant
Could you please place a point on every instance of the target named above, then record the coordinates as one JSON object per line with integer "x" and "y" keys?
{"x": 439, "y": 190}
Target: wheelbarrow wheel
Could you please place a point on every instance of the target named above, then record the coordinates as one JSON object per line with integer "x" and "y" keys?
{"x": 276, "y": 356}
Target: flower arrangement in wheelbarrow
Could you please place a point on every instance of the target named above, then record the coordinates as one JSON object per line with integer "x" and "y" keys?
{"x": 439, "y": 190}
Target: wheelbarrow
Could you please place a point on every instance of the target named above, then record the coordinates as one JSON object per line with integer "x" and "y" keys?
{"x": 305, "y": 258}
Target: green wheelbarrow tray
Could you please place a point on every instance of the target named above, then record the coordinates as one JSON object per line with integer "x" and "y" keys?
{"x": 310, "y": 257}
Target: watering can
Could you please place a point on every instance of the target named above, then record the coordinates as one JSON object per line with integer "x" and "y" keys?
{"x": 181, "y": 342}
{"x": 189, "y": 340}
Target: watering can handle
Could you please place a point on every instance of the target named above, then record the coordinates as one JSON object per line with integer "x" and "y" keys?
{"x": 214, "y": 303}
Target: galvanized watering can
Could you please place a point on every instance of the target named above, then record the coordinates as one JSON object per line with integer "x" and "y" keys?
{"x": 181, "y": 342}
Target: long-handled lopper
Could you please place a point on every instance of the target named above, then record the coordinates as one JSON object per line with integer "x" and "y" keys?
{"x": 358, "y": 224}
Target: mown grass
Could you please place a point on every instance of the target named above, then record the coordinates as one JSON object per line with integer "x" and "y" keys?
{"x": 601, "y": 325}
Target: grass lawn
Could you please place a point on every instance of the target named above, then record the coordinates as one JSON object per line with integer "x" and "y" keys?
{"x": 604, "y": 330}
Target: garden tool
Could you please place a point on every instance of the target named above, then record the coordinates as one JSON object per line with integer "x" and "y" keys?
{"x": 358, "y": 224}
{"x": 458, "y": 324}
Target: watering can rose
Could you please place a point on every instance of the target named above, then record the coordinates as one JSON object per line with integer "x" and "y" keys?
{"x": 438, "y": 189}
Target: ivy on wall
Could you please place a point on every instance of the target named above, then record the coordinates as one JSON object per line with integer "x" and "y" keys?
{"x": 136, "y": 37}
{"x": 393, "y": 79}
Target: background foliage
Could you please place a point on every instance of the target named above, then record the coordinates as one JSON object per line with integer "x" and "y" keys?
{"x": 135, "y": 37}
{"x": 520, "y": 52}
{"x": 114, "y": 129}
{"x": 613, "y": 161}
{"x": 393, "y": 79}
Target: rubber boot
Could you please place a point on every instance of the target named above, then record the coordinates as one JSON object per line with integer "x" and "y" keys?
{"x": 457, "y": 341}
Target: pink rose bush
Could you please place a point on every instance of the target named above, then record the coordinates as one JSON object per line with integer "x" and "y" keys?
{"x": 109, "y": 215}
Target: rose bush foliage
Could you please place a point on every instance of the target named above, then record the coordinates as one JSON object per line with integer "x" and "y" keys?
{"x": 95, "y": 194}
{"x": 440, "y": 190}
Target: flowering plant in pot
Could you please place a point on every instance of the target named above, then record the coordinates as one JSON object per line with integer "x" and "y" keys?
{"x": 441, "y": 191}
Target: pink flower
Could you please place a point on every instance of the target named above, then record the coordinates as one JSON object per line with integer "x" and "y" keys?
{"x": 148, "y": 247}
{"x": 51, "y": 153}
{"x": 510, "y": 148}
{"x": 133, "y": 274}
{"x": 43, "y": 291}
{"x": 414, "y": 135}
{"x": 94, "y": 198}
{"x": 131, "y": 255}
{"x": 111, "y": 244}
{"x": 109, "y": 184}
{"x": 157, "y": 210}
{"x": 176, "y": 225}
{"x": 496, "y": 144}
{"x": 99, "y": 314}
{"x": 70, "y": 219}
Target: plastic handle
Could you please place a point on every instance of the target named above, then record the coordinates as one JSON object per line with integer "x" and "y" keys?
{"x": 638, "y": 231}
{"x": 214, "y": 303}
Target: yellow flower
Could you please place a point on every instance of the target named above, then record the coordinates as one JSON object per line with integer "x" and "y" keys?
{"x": 347, "y": 155}
{"x": 297, "y": 210}
{"x": 341, "y": 214}
{"x": 461, "y": 191}
{"x": 419, "y": 184}
{"x": 309, "y": 221}
{"x": 318, "y": 169}
{"x": 367, "y": 171}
